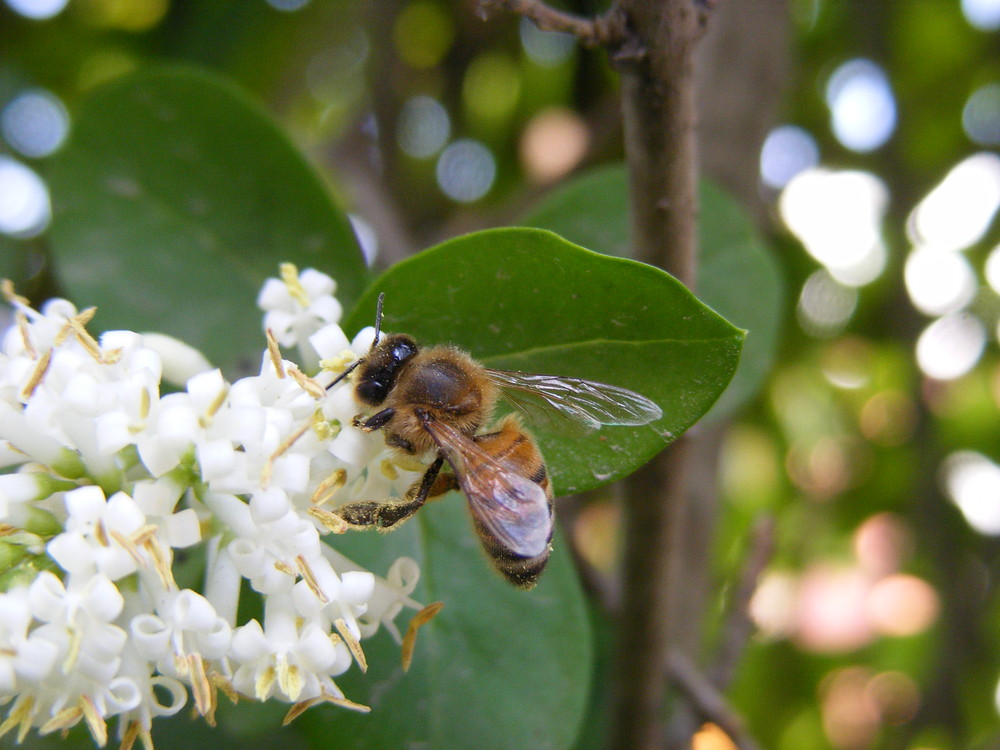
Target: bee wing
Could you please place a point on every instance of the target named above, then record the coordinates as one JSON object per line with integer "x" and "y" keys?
{"x": 583, "y": 401}
{"x": 510, "y": 506}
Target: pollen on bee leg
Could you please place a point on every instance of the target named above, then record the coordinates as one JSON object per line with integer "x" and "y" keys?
{"x": 275, "y": 353}
{"x": 422, "y": 617}
{"x": 352, "y": 643}
{"x": 329, "y": 487}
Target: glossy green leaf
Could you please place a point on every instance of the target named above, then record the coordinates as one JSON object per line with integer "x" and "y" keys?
{"x": 175, "y": 199}
{"x": 497, "y": 668}
{"x": 737, "y": 275}
{"x": 526, "y": 299}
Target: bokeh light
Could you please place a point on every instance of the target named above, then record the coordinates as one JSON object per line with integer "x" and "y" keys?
{"x": 35, "y": 123}
{"x": 958, "y": 211}
{"x": 951, "y": 346}
{"x": 972, "y": 481}
{"x": 850, "y": 720}
{"x": 288, "y": 5}
{"x": 134, "y": 16}
{"x": 825, "y": 305}
{"x": 37, "y": 9}
{"x": 337, "y": 72}
{"x": 547, "y": 48}
{"x": 491, "y": 87}
{"x": 552, "y": 143}
{"x": 833, "y": 609}
{"x": 711, "y": 737}
{"x": 787, "y": 151}
{"x": 981, "y": 115}
{"x": 423, "y": 34}
{"x": 983, "y": 14}
{"x": 838, "y": 218}
{"x": 881, "y": 544}
{"x": 25, "y": 210}
{"x": 862, "y": 106}
{"x": 466, "y": 170}
{"x": 423, "y": 127}
{"x": 888, "y": 418}
{"x": 900, "y": 605}
{"x": 939, "y": 282}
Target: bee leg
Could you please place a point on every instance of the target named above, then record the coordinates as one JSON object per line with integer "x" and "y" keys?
{"x": 376, "y": 421}
{"x": 386, "y": 515}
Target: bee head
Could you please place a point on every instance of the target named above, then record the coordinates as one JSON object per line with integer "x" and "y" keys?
{"x": 378, "y": 371}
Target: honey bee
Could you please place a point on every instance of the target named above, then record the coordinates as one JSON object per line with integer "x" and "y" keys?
{"x": 439, "y": 402}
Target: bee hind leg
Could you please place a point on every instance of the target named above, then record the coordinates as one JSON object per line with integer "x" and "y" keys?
{"x": 387, "y": 514}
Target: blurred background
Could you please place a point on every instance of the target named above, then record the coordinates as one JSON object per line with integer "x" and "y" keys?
{"x": 861, "y": 136}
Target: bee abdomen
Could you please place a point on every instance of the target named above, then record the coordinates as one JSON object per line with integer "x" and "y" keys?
{"x": 521, "y": 571}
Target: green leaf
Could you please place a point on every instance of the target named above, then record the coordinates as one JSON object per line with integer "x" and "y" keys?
{"x": 526, "y": 299}
{"x": 497, "y": 668}
{"x": 737, "y": 274}
{"x": 175, "y": 199}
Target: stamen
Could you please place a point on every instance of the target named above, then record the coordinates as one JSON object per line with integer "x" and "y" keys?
{"x": 88, "y": 342}
{"x": 24, "y": 327}
{"x": 283, "y": 567}
{"x": 265, "y": 474}
{"x": 352, "y": 643}
{"x": 388, "y": 469}
{"x": 330, "y": 520}
{"x": 220, "y": 683}
{"x": 12, "y": 297}
{"x": 422, "y": 617}
{"x": 201, "y": 689}
{"x": 20, "y": 717}
{"x": 306, "y": 383}
{"x": 275, "y": 353}
{"x": 290, "y": 679}
{"x": 310, "y": 578}
{"x": 130, "y": 736}
{"x": 65, "y": 719}
{"x": 339, "y": 363}
{"x": 345, "y": 703}
{"x": 329, "y": 487}
{"x": 37, "y": 375}
{"x": 290, "y": 276}
{"x": 95, "y": 722}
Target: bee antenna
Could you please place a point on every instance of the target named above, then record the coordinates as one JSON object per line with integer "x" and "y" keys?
{"x": 378, "y": 317}
{"x": 345, "y": 373}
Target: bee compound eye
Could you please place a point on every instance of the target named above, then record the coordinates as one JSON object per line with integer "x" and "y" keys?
{"x": 372, "y": 391}
{"x": 403, "y": 350}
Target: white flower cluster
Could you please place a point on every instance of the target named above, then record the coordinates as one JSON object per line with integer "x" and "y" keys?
{"x": 103, "y": 478}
